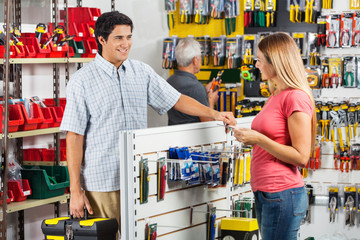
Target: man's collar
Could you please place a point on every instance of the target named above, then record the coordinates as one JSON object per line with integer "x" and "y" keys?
{"x": 107, "y": 66}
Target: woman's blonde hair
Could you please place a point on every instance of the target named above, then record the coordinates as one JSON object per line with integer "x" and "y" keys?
{"x": 281, "y": 51}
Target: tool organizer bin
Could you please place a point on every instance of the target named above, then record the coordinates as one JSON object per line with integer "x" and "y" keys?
{"x": 16, "y": 118}
{"x": 10, "y": 197}
{"x": 48, "y": 155}
{"x": 90, "y": 47}
{"x": 57, "y": 113}
{"x": 46, "y": 181}
{"x": 48, "y": 118}
{"x": 31, "y": 123}
{"x": 78, "y": 47}
{"x": 2, "y": 51}
{"x": 20, "y": 194}
{"x": 32, "y": 154}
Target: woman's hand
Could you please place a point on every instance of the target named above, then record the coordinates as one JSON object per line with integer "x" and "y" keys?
{"x": 247, "y": 136}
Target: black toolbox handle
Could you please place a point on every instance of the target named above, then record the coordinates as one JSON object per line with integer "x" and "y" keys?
{"x": 86, "y": 214}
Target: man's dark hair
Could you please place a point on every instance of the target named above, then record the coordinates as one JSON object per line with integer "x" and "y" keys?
{"x": 106, "y": 23}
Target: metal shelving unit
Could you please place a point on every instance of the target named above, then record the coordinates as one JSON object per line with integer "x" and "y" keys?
{"x": 12, "y": 68}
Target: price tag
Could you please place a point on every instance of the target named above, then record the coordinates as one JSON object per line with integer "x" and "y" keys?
{"x": 95, "y": 18}
{"x": 80, "y": 51}
{"x": 59, "y": 49}
{"x": 81, "y": 34}
{"x": 94, "y": 51}
{"x": 26, "y": 193}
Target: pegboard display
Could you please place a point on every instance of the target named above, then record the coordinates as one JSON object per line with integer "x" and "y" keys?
{"x": 183, "y": 212}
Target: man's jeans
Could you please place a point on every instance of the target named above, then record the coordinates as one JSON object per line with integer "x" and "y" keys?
{"x": 279, "y": 214}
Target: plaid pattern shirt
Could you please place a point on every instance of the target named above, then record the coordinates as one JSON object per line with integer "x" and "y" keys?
{"x": 101, "y": 101}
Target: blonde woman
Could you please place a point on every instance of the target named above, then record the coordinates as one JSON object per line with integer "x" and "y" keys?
{"x": 282, "y": 134}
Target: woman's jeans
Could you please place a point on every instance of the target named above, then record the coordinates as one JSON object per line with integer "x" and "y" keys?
{"x": 279, "y": 214}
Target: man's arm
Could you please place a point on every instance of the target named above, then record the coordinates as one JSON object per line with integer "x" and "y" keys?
{"x": 74, "y": 155}
{"x": 212, "y": 98}
{"x": 192, "y": 107}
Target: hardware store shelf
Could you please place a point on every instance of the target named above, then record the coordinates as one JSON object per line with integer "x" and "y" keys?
{"x": 32, "y": 133}
{"x": 47, "y": 60}
{"x": 44, "y": 163}
{"x": 30, "y": 203}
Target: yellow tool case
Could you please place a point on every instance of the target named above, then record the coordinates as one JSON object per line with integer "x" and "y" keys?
{"x": 234, "y": 228}
{"x": 66, "y": 228}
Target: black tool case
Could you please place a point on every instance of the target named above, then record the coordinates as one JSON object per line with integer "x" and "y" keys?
{"x": 67, "y": 228}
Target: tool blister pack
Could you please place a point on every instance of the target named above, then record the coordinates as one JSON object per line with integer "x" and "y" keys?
{"x": 335, "y": 72}
{"x": 231, "y": 9}
{"x": 202, "y": 11}
{"x": 186, "y": 11}
{"x": 259, "y": 13}
{"x": 333, "y": 204}
{"x": 354, "y": 4}
{"x": 346, "y": 29}
{"x": 313, "y": 50}
{"x": 144, "y": 181}
{"x": 151, "y": 231}
{"x": 300, "y": 40}
{"x": 170, "y": 8}
{"x": 350, "y": 72}
{"x": 205, "y": 45}
{"x": 249, "y": 13}
{"x": 233, "y": 52}
{"x": 161, "y": 179}
{"x": 312, "y": 10}
{"x": 356, "y": 29}
{"x": 333, "y": 24}
{"x": 219, "y": 50}
{"x": 77, "y": 229}
{"x": 296, "y": 9}
{"x": 217, "y": 8}
{"x": 350, "y": 205}
{"x": 321, "y": 30}
{"x": 249, "y": 48}
{"x": 211, "y": 222}
{"x": 358, "y": 72}
{"x": 169, "y": 45}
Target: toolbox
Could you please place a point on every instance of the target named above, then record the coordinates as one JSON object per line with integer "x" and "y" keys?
{"x": 239, "y": 228}
{"x": 68, "y": 228}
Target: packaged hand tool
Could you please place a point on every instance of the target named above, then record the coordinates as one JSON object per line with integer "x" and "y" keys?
{"x": 169, "y": 45}
{"x": 270, "y": 12}
{"x": 205, "y": 44}
{"x": 350, "y": 205}
{"x": 249, "y": 49}
{"x": 249, "y": 13}
{"x": 54, "y": 37}
{"x": 144, "y": 181}
{"x": 333, "y": 31}
{"x": 346, "y": 29}
{"x": 333, "y": 202}
{"x": 312, "y": 10}
{"x": 356, "y": 29}
{"x": 202, "y": 11}
{"x": 300, "y": 39}
{"x": 350, "y": 71}
{"x": 65, "y": 39}
{"x": 40, "y": 30}
{"x": 151, "y": 231}
{"x": 77, "y": 229}
{"x": 231, "y": 9}
{"x": 233, "y": 52}
{"x": 296, "y": 9}
{"x": 335, "y": 72}
{"x": 211, "y": 222}
{"x": 259, "y": 15}
{"x": 186, "y": 11}
{"x": 217, "y": 8}
{"x": 170, "y": 7}
{"x": 248, "y": 163}
{"x": 354, "y": 4}
{"x": 219, "y": 50}
{"x": 161, "y": 181}
{"x": 327, "y": 4}
{"x": 313, "y": 51}
{"x": 321, "y": 30}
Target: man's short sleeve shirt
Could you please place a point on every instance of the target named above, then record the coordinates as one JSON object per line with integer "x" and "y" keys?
{"x": 101, "y": 102}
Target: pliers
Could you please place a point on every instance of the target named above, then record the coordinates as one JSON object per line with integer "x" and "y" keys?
{"x": 259, "y": 14}
{"x": 349, "y": 73}
{"x": 248, "y": 54}
{"x": 248, "y": 14}
{"x": 270, "y": 13}
{"x": 345, "y": 36}
{"x": 325, "y": 78}
{"x": 327, "y": 4}
{"x": 295, "y": 12}
{"x": 332, "y": 37}
{"x": 229, "y": 20}
{"x": 334, "y": 78}
{"x": 167, "y": 64}
{"x": 215, "y": 13}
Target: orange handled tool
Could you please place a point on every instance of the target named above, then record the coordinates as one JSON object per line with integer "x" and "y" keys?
{"x": 216, "y": 83}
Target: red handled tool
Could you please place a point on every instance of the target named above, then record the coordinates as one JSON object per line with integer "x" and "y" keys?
{"x": 216, "y": 83}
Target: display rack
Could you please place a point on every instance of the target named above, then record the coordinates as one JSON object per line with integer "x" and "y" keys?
{"x": 173, "y": 213}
